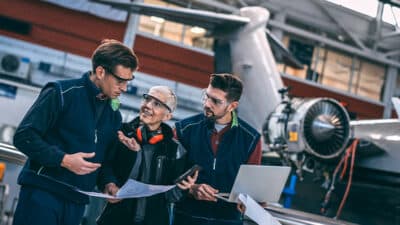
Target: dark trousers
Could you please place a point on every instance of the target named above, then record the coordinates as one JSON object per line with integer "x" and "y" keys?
{"x": 38, "y": 207}
{"x": 181, "y": 218}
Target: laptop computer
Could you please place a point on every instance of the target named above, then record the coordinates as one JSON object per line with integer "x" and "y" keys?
{"x": 262, "y": 183}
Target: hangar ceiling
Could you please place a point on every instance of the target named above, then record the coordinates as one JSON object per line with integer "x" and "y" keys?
{"x": 320, "y": 17}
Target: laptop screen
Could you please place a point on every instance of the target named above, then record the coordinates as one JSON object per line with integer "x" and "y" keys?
{"x": 262, "y": 183}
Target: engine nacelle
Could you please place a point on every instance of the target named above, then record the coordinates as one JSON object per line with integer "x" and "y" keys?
{"x": 319, "y": 126}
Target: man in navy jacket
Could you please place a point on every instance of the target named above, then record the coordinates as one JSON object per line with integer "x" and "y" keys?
{"x": 65, "y": 135}
{"x": 219, "y": 141}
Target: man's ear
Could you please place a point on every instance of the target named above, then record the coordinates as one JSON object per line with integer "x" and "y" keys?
{"x": 167, "y": 116}
{"x": 233, "y": 105}
{"x": 99, "y": 72}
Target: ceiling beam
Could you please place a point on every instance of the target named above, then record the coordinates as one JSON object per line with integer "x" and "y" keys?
{"x": 392, "y": 53}
{"x": 378, "y": 27}
{"x": 373, "y": 56}
{"x": 390, "y": 34}
{"x": 217, "y": 5}
{"x": 355, "y": 39}
{"x": 392, "y": 2}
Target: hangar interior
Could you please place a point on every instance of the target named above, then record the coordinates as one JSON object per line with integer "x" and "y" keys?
{"x": 347, "y": 55}
{"x": 342, "y": 50}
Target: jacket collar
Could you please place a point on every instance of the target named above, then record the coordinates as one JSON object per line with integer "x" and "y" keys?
{"x": 92, "y": 89}
{"x": 234, "y": 122}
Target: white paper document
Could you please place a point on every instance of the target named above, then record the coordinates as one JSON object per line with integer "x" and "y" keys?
{"x": 257, "y": 213}
{"x": 132, "y": 189}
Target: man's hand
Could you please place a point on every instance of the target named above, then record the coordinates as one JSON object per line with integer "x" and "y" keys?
{"x": 203, "y": 192}
{"x": 242, "y": 208}
{"x": 112, "y": 189}
{"x": 76, "y": 163}
{"x": 130, "y": 143}
{"x": 189, "y": 182}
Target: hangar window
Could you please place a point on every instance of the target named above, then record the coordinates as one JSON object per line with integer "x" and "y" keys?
{"x": 187, "y": 35}
{"x": 339, "y": 70}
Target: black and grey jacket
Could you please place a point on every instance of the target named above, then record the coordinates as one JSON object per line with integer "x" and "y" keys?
{"x": 166, "y": 164}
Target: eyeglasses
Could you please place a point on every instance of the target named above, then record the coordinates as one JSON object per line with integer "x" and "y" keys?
{"x": 119, "y": 79}
{"x": 214, "y": 101}
{"x": 157, "y": 103}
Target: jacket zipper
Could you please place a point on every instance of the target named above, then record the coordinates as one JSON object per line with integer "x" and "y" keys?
{"x": 214, "y": 163}
{"x": 159, "y": 163}
{"x": 95, "y": 136}
{"x": 40, "y": 170}
{"x": 160, "y": 160}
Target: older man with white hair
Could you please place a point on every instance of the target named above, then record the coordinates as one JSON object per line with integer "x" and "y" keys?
{"x": 148, "y": 153}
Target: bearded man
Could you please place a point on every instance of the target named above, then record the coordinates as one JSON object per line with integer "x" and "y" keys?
{"x": 219, "y": 141}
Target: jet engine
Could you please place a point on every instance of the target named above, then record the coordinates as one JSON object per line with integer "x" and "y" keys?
{"x": 318, "y": 126}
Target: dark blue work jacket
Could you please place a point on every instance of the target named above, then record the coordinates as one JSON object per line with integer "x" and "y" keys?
{"x": 219, "y": 171}
{"x": 66, "y": 118}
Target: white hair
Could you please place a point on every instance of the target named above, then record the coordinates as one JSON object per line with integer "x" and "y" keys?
{"x": 172, "y": 100}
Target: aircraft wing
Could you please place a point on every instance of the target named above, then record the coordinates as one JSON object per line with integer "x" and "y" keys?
{"x": 384, "y": 133}
{"x": 381, "y": 129}
{"x": 193, "y": 17}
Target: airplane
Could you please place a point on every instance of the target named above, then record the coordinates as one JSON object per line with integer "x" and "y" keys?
{"x": 311, "y": 135}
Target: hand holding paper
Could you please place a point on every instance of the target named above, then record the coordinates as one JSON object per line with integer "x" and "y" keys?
{"x": 255, "y": 212}
{"x": 132, "y": 189}
{"x": 112, "y": 189}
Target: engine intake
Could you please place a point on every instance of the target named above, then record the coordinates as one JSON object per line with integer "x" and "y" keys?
{"x": 319, "y": 126}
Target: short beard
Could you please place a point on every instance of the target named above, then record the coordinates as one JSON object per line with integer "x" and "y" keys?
{"x": 212, "y": 118}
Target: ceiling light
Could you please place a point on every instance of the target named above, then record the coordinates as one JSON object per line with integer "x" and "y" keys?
{"x": 157, "y": 19}
{"x": 197, "y": 30}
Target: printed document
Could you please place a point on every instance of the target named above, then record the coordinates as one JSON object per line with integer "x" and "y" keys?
{"x": 257, "y": 213}
{"x": 132, "y": 189}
